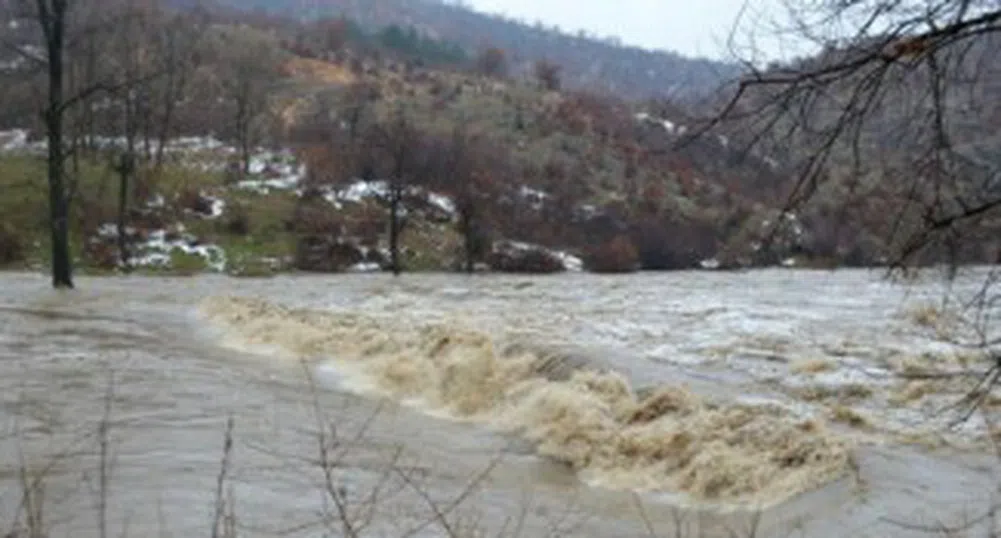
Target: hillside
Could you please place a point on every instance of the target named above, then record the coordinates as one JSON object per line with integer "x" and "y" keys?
{"x": 900, "y": 144}
{"x": 568, "y": 170}
{"x": 587, "y": 63}
{"x": 322, "y": 145}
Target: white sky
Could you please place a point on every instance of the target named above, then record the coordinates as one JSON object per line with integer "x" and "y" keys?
{"x": 689, "y": 27}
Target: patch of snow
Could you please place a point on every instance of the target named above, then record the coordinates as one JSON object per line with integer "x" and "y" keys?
{"x": 789, "y": 262}
{"x": 156, "y": 202}
{"x": 265, "y": 186}
{"x": 710, "y": 263}
{"x": 442, "y": 202}
{"x": 536, "y": 196}
{"x": 107, "y": 230}
{"x": 360, "y": 190}
{"x": 14, "y": 140}
{"x": 570, "y": 262}
{"x": 586, "y": 211}
{"x": 157, "y": 249}
{"x": 365, "y": 267}
{"x": 218, "y": 207}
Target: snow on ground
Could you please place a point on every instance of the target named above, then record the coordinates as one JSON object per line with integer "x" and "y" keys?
{"x": 365, "y": 267}
{"x": 570, "y": 262}
{"x": 158, "y": 246}
{"x": 668, "y": 125}
{"x": 265, "y": 186}
{"x": 13, "y": 140}
{"x": 711, "y": 263}
{"x": 362, "y": 190}
{"x": 273, "y": 171}
{"x": 16, "y": 140}
{"x": 442, "y": 202}
{"x": 218, "y": 207}
{"x": 156, "y": 250}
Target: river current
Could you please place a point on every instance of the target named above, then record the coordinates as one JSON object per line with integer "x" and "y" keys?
{"x": 781, "y": 402}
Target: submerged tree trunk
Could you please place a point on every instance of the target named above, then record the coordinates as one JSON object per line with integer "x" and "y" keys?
{"x": 394, "y": 233}
{"x": 468, "y": 240}
{"x": 52, "y": 19}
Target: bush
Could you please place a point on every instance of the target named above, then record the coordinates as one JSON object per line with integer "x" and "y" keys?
{"x": 324, "y": 254}
{"x": 238, "y": 221}
{"x": 193, "y": 200}
{"x": 11, "y": 246}
{"x": 616, "y": 256}
{"x": 182, "y": 263}
{"x": 509, "y": 257}
{"x": 672, "y": 245}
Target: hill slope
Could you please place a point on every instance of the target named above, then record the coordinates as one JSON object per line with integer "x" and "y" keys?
{"x": 587, "y": 62}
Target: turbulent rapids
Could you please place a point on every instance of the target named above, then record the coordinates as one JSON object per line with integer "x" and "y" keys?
{"x": 572, "y": 410}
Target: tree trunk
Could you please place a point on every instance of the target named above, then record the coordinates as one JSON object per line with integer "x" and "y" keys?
{"x": 394, "y": 233}
{"x": 466, "y": 228}
{"x": 125, "y": 172}
{"x": 62, "y": 265}
{"x": 243, "y": 130}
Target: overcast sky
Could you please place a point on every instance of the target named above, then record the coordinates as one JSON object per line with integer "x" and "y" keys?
{"x": 690, "y": 27}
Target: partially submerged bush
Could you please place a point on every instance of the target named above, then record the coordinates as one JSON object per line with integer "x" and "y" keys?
{"x": 324, "y": 254}
{"x": 182, "y": 263}
{"x": 11, "y": 245}
{"x": 616, "y": 256}
{"x": 511, "y": 257}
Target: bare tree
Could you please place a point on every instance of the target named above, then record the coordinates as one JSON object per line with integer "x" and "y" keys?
{"x": 467, "y": 169}
{"x": 67, "y": 33}
{"x": 395, "y": 148}
{"x": 253, "y": 60}
{"x": 548, "y": 75}
{"x": 899, "y": 106}
{"x": 899, "y": 92}
{"x": 177, "y": 44}
{"x": 52, "y": 17}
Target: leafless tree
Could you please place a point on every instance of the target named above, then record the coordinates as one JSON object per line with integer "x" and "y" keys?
{"x": 468, "y": 169}
{"x": 177, "y": 44}
{"x": 52, "y": 18}
{"x": 252, "y": 60}
{"x": 899, "y": 104}
{"x": 63, "y": 40}
{"x": 395, "y": 151}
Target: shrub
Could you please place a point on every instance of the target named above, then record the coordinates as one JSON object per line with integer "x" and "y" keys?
{"x": 512, "y": 258}
{"x": 238, "y": 221}
{"x": 11, "y": 245}
{"x": 182, "y": 263}
{"x": 616, "y": 256}
{"x": 192, "y": 199}
{"x": 672, "y": 245}
{"x": 324, "y": 254}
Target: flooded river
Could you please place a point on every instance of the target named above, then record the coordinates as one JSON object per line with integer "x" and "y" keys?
{"x": 786, "y": 403}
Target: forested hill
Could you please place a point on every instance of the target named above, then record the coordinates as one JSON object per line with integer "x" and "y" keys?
{"x": 587, "y": 62}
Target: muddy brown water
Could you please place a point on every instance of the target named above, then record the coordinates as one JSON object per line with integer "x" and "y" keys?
{"x": 483, "y": 406}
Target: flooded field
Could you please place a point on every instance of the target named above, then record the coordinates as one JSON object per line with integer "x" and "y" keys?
{"x": 786, "y": 403}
